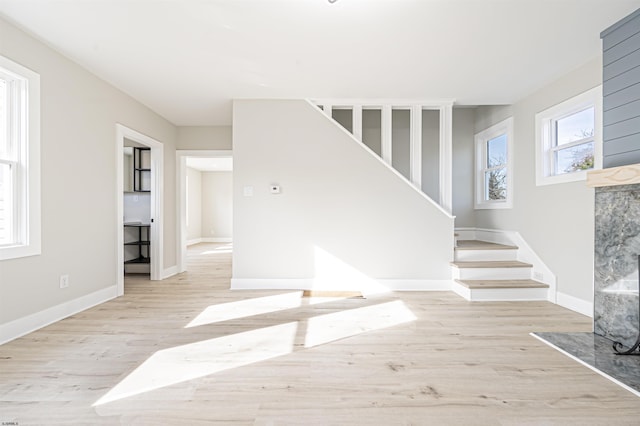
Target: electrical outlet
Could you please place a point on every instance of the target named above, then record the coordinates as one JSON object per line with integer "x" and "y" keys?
{"x": 212, "y": 232}
{"x": 64, "y": 281}
{"x": 538, "y": 276}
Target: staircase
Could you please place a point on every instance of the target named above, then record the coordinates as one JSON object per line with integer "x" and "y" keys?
{"x": 485, "y": 271}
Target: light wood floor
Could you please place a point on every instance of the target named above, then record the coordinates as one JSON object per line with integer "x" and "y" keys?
{"x": 170, "y": 353}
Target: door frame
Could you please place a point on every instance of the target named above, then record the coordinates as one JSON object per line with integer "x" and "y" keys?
{"x": 181, "y": 196}
{"x": 156, "y": 249}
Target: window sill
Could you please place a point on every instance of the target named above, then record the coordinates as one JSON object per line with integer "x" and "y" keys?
{"x": 563, "y": 178}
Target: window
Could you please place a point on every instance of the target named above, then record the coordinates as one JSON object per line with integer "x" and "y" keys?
{"x": 568, "y": 139}
{"x": 19, "y": 161}
{"x": 493, "y": 167}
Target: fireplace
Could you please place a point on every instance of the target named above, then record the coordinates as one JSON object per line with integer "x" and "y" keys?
{"x": 617, "y": 245}
{"x": 616, "y": 307}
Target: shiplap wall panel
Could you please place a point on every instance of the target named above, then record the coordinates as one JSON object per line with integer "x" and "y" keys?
{"x": 621, "y": 145}
{"x": 621, "y": 49}
{"x": 622, "y": 129}
{"x": 623, "y": 159}
{"x": 622, "y": 113}
{"x": 621, "y": 91}
{"x": 614, "y": 100}
{"x": 622, "y": 81}
{"x": 622, "y": 65}
{"x": 627, "y": 29}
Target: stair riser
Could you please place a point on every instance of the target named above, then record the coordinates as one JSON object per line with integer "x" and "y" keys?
{"x": 509, "y": 294}
{"x": 491, "y": 273}
{"x": 478, "y": 255}
{"x": 506, "y": 294}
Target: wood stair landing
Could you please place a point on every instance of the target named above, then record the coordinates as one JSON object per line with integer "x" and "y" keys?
{"x": 479, "y": 284}
{"x": 486, "y": 271}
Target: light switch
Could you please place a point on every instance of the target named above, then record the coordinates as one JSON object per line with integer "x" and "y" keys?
{"x": 275, "y": 189}
{"x": 248, "y": 191}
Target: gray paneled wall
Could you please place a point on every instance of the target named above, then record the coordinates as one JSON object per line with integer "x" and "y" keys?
{"x": 621, "y": 91}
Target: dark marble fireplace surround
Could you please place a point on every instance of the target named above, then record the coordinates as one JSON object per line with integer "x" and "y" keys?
{"x": 616, "y": 311}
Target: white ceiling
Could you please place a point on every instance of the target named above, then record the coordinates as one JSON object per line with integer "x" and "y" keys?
{"x": 218, "y": 164}
{"x": 187, "y": 59}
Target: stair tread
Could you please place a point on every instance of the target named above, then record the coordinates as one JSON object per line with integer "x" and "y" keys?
{"x": 486, "y": 284}
{"x": 491, "y": 264}
{"x": 482, "y": 245}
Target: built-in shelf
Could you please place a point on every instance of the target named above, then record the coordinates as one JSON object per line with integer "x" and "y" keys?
{"x": 138, "y": 260}
{"x": 141, "y": 169}
{"x": 142, "y": 242}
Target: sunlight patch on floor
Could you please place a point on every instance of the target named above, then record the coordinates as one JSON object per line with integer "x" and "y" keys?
{"x": 195, "y": 360}
{"x": 247, "y": 308}
{"x": 330, "y": 327}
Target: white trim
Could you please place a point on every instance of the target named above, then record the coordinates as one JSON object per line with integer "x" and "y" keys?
{"x": 378, "y": 102}
{"x": 192, "y": 242}
{"x": 169, "y": 272}
{"x": 328, "y": 110}
{"x": 181, "y": 197}
{"x": 416, "y": 285}
{"x": 25, "y": 325}
{"x": 356, "y": 122}
{"x": 543, "y": 121}
{"x": 415, "y": 145}
{"x": 505, "y": 127}
{"x": 28, "y": 186}
{"x": 313, "y": 284}
{"x": 577, "y": 305}
{"x": 157, "y": 200}
{"x": 508, "y": 294}
{"x": 217, "y": 240}
{"x": 589, "y": 366}
{"x": 209, "y": 240}
{"x": 446, "y": 157}
{"x": 386, "y": 129}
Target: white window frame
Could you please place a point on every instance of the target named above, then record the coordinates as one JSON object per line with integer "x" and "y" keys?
{"x": 545, "y": 143}
{"x": 504, "y": 127}
{"x": 25, "y": 137}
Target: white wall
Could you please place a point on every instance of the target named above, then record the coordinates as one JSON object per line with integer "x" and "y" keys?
{"x": 339, "y": 203}
{"x": 401, "y": 141}
{"x": 431, "y": 153}
{"x": 463, "y": 164}
{"x": 79, "y": 113}
{"x": 194, "y": 204}
{"x": 556, "y": 220}
{"x": 217, "y": 205}
{"x": 204, "y": 137}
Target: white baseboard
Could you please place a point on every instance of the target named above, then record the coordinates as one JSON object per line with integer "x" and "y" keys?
{"x": 578, "y": 305}
{"x": 416, "y": 285}
{"x": 209, "y": 240}
{"x": 169, "y": 272}
{"x": 25, "y": 325}
{"x": 375, "y": 286}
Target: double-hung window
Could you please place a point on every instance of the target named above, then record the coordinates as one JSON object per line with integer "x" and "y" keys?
{"x": 19, "y": 161}
{"x": 568, "y": 139}
{"x": 493, "y": 166}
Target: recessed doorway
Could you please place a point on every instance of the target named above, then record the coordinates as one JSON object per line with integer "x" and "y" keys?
{"x": 205, "y": 194}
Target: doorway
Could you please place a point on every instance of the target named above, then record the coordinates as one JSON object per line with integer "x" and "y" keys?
{"x": 208, "y": 172}
{"x": 153, "y": 189}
